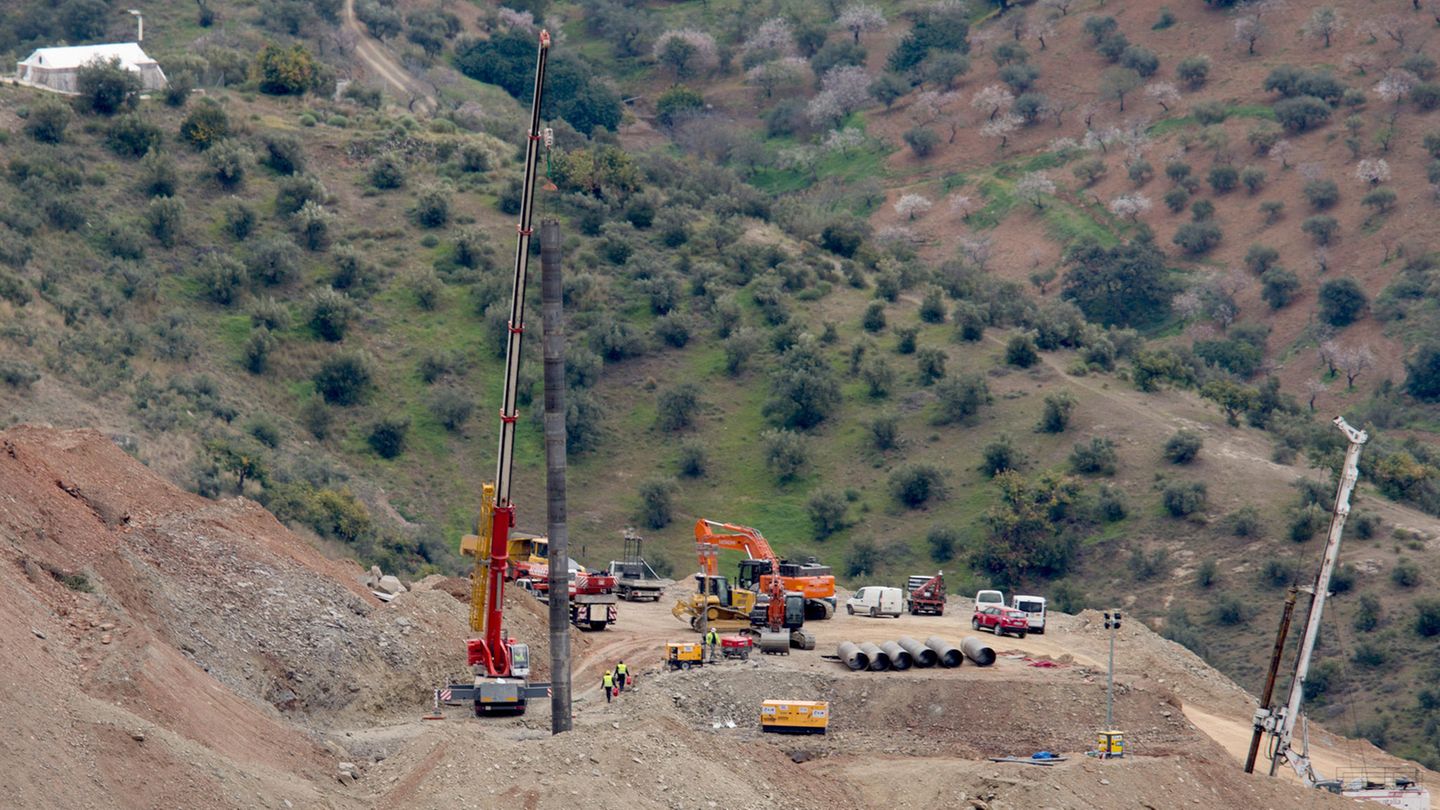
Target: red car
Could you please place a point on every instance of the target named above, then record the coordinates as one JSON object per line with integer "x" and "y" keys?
{"x": 1000, "y": 620}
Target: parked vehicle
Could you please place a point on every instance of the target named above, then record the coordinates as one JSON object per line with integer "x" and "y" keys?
{"x": 1034, "y": 609}
{"x": 876, "y": 600}
{"x": 1000, "y": 620}
{"x": 989, "y": 598}
{"x": 926, "y": 594}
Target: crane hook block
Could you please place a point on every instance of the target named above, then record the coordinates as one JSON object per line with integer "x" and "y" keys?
{"x": 544, "y": 38}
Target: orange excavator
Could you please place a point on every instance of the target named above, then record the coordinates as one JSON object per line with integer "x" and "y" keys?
{"x": 813, "y": 581}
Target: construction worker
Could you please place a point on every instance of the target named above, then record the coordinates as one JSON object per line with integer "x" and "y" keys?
{"x": 712, "y": 645}
{"x": 608, "y": 681}
{"x": 622, "y": 674}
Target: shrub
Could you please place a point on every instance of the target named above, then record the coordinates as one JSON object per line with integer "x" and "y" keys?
{"x": 676, "y": 407}
{"x": 874, "y": 319}
{"x": 1321, "y": 228}
{"x": 1252, "y": 178}
{"x": 1193, "y": 70}
{"x": 432, "y": 207}
{"x": 693, "y": 459}
{"x": 1230, "y": 610}
{"x": 1056, "y": 416}
{"x": 1020, "y": 351}
{"x": 1306, "y": 522}
{"x": 1096, "y": 458}
{"x": 672, "y": 331}
{"x": 1184, "y": 499}
{"x": 1322, "y": 194}
{"x": 293, "y": 192}
{"x": 105, "y": 88}
{"x": 283, "y": 153}
{"x": 1176, "y": 199}
{"x": 1146, "y": 567}
{"x": 930, "y": 363}
{"x": 999, "y": 456}
{"x": 1245, "y": 522}
{"x": 18, "y": 373}
{"x": 1301, "y": 113}
{"x": 157, "y": 174}
{"x": 1341, "y": 301}
{"x": 1427, "y": 617}
{"x": 1110, "y": 504}
{"x": 1140, "y": 59}
{"x": 1422, "y": 373}
{"x": 387, "y": 436}
{"x": 1367, "y": 613}
{"x": 451, "y": 408}
{"x": 273, "y": 262}
{"x": 827, "y": 513}
{"x": 884, "y": 433}
{"x": 164, "y": 218}
{"x": 331, "y": 313}
{"x": 222, "y": 279}
{"x": 1183, "y": 447}
{"x": 387, "y": 172}
{"x": 1197, "y": 238}
{"x": 227, "y": 161}
{"x": 132, "y": 136}
{"x": 1260, "y": 258}
{"x": 1207, "y": 573}
{"x": 1405, "y": 574}
{"x": 862, "y": 559}
{"x": 922, "y": 141}
{"x": 905, "y": 339}
{"x": 285, "y": 71}
{"x": 345, "y": 379}
{"x": 915, "y": 485}
{"x": 932, "y": 307}
{"x": 1210, "y": 112}
{"x": 312, "y": 225}
{"x": 316, "y": 417}
{"x": 1088, "y": 172}
{"x": 1223, "y": 178}
{"x": 786, "y": 456}
{"x": 942, "y": 541}
{"x": 960, "y": 398}
{"x": 206, "y": 125}
{"x": 878, "y": 376}
{"x": 1277, "y": 573}
{"x": 47, "y": 121}
{"x": 1381, "y": 200}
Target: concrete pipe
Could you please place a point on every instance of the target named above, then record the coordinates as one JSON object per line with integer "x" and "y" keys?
{"x": 922, "y": 656}
{"x": 849, "y": 652}
{"x": 948, "y": 654}
{"x": 879, "y": 661}
{"x": 899, "y": 659}
{"x": 977, "y": 651}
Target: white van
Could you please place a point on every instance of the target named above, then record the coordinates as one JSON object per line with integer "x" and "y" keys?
{"x": 1034, "y": 610}
{"x": 874, "y": 600}
{"x": 983, "y": 598}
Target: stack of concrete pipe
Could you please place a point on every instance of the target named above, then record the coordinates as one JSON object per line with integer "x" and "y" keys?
{"x": 906, "y": 652}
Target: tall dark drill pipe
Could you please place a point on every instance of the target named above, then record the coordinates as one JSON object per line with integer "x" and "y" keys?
{"x": 553, "y": 322}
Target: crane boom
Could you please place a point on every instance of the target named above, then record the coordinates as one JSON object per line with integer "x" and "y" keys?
{"x": 493, "y": 654}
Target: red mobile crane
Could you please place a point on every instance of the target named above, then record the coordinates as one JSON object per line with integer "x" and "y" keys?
{"x": 501, "y": 663}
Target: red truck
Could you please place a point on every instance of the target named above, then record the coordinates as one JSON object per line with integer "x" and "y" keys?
{"x": 1001, "y": 620}
{"x": 925, "y": 594}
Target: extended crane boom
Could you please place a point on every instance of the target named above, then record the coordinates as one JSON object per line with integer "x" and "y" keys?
{"x": 501, "y": 664}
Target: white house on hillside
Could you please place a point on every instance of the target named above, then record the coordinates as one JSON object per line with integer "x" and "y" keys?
{"x": 56, "y": 68}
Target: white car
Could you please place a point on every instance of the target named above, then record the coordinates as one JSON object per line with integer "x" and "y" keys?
{"x": 983, "y": 598}
{"x": 875, "y": 600}
{"x": 1034, "y": 609}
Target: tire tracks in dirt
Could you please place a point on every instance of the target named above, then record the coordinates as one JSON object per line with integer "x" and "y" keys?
{"x": 372, "y": 52}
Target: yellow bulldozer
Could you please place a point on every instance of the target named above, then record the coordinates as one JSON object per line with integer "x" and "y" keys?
{"x": 726, "y": 608}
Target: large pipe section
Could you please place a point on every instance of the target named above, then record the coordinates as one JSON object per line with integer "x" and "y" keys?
{"x": 879, "y": 661}
{"x": 557, "y": 529}
{"x": 977, "y": 651}
{"x": 899, "y": 659}
{"x": 850, "y": 653}
{"x": 947, "y": 653}
{"x": 921, "y": 655}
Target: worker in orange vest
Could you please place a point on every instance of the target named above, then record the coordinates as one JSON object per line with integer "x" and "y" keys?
{"x": 608, "y": 681}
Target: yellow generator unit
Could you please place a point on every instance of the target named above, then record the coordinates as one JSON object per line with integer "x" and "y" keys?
{"x": 1112, "y": 744}
{"x": 684, "y": 654}
{"x": 795, "y": 716}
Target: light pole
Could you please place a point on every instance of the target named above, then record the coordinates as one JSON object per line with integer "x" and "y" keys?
{"x": 1112, "y": 623}
{"x": 139, "y": 25}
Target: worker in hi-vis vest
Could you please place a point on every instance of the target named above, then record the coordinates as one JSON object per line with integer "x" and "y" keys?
{"x": 608, "y": 681}
{"x": 712, "y": 642}
{"x": 622, "y": 674}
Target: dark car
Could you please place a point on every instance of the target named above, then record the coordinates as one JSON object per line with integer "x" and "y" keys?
{"x": 1000, "y": 620}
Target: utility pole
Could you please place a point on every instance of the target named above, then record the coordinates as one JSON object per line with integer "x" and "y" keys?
{"x": 1112, "y": 623}
{"x": 553, "y": 341}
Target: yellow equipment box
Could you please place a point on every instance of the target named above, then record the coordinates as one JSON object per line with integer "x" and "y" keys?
{"x": 795, "y": 716}
{"x": 683, "y": 654}
{"x": 1112, "y": 744}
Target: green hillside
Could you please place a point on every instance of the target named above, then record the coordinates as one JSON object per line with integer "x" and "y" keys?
{"x": 1059, "y": 296}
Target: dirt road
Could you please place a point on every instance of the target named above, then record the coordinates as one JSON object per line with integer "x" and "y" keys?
{"x": 379, "y": 60}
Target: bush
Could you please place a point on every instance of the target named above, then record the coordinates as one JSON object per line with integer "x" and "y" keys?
{"x": 1184, "y": 499}
{"x": 1427, "y": 617}
{"x": 1056, "y": 416}
{"x": 1405, "y": 574}
{"x": 387, "y": 172}
{"x": 1245, "y": 522}
{"x": 47, "y": 121}
{"x": 105, "y": 88}
{"x": 1279, "y": 287}
{"x": 432, "y": 207}
{"x": 1341, "y": 302}
{"x": 1198, "y": 238}
{"x": 1146, "y": 567}
{"x": 1320, "y": 228}
{"x": 922, "y": 141}
{"x": 132, "y": 136}
{"x": 1381, "y": 200}
{"x": 227, "y": 161}
{"x": 676, "y": 407}
{"x": 283, "y": 153}
{"x": 999, "y": 456}
{"x": 932, "y": 307}
{"x": 293, "y": 192}
{"x": 1020, "y": 351}
{"x": 1322, "y": 194}
{"x": 884, "y": 433}
{"x": 164, "y": 218}
{"x": 312, "y": 225}
{"x": 915, "y": 485}
{"x": 960, "y": 398}
{"x": 1422, "y": 373}
{"x": 1301, "y": 113}
{"x": 878, "y": 377}
{"x": 1306, "y": 522}
{"x": 905, "y": 339}
{"x": 345, "y": 379}
{"x": 1230, "y": 610}
{"x": 827, "y": 513}
{"x": 693, "y": 460}
{"x": 1252, "y": 178}
{"x": 451, "y": 408}
{"x": 387, "y": 436}
{"x": 287, "y": 71}
{"x": 1193, "y": 70}
{"x": 1096, "y": 458}
{"x": 331, "y": 313}
{"x": 206, "y": 125}
{"x": 786, "y": 456}
{"x": 1367, "y": 613}
{"x": 930, "y": 363}
{"x": 18, "y": 373}
{"x": 1277, "y": 573}
{"x": 1183, "y": 447}
{"x": 942, "y": 541}
{"x": 874, "y": 319}
{"x": 672, "y": 331}
{"x": 222, "y": 279}
{"x": 862, "y": 559}
{"x": 1176, "y": 199}
{"x": 1110, "y": 504}
{"x": 273, "y": 262}
{"x": 1223, "y": 178}
{"x": 1207, "y": 573}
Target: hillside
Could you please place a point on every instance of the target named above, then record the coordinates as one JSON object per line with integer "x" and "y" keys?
{"x": 830, "y": 315}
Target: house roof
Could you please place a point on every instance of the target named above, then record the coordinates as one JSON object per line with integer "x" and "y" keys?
{"x": 129, "y": 54}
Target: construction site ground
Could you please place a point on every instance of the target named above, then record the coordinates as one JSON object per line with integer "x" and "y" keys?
{"x": 166, "y": 650}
